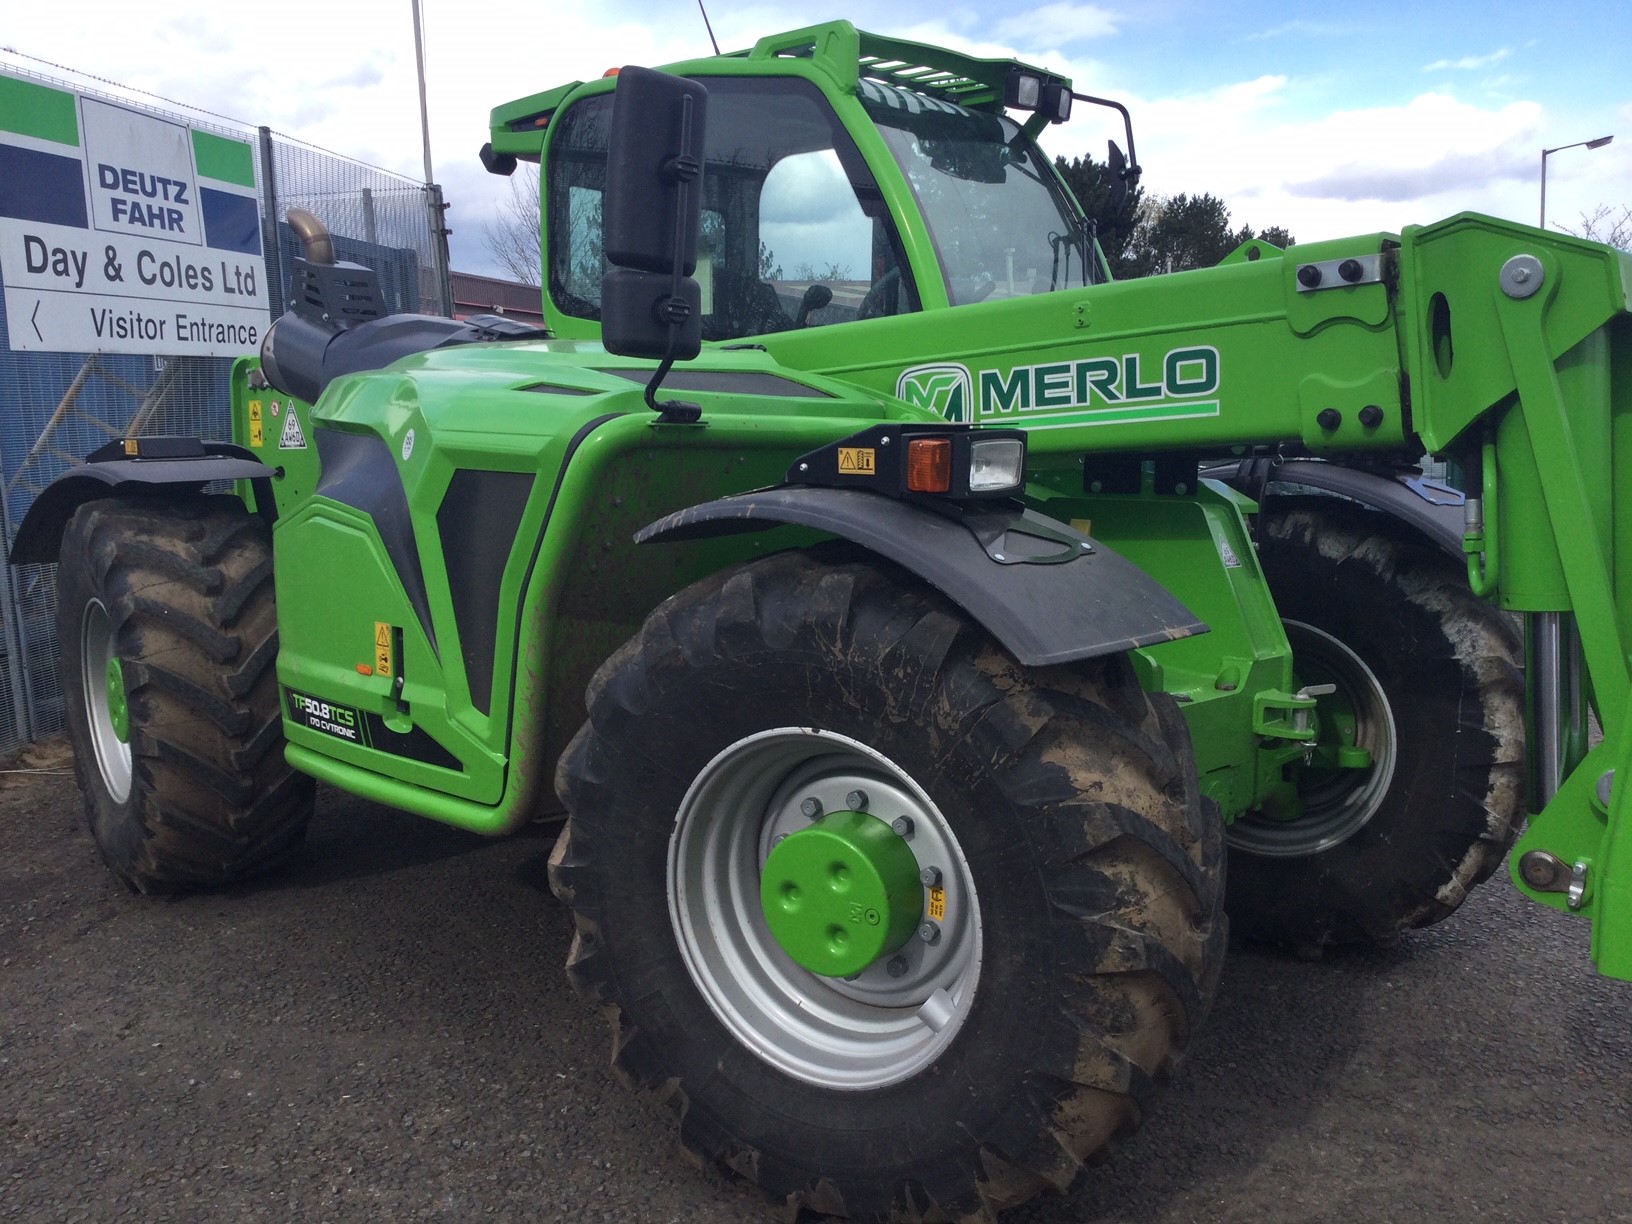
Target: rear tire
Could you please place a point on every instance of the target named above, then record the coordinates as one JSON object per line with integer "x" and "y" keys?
{"x": 1434, "y": 679}
{"x": 1082, "y": 938}
{"x": 168, "y": 630}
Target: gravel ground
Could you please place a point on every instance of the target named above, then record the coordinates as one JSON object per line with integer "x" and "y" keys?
{"x": 383, "y": 1031}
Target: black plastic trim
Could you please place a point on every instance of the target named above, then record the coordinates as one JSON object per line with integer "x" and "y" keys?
{"x": 416, "y": 744}
{"x": 729, "y": 382}
{"x": 1096, "y": 604}
{"x": 478, "y": 520}
{"x": 359, "y": 471}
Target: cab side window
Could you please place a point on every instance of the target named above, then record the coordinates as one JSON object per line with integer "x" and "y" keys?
{"x": 794, "y": 230}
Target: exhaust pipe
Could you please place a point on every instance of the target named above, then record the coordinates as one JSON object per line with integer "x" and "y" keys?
{"x": 336, "y": 322}
{"x": 313, "y": 235}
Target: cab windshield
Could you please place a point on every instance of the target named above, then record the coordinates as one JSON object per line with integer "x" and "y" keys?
{"x": 1001, "y": 224}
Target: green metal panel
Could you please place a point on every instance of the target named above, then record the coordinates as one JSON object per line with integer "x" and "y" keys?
{"x": 220, "y": 157}
{"x": 31, "y": 109}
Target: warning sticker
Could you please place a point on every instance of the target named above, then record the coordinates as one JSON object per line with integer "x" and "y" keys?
{"x": 937, "y": 903}
{"x": 256, "y": 436}
{"x": 383, "y": 660}
{"x": 856, "y": 461}
{"x": 292, "y": 438}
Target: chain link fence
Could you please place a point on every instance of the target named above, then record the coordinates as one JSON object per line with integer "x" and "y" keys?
{"x": 55, "y": 408}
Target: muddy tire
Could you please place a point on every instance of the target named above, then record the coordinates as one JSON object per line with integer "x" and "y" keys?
{"x": 1082, "y": 934}
{"x": 1431, "y": 679}
{"x": 169, "y": 640}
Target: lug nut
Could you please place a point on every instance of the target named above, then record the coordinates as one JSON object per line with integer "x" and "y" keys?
{"x": 856, "y": 801}
{"x": 897, "y": 966}
{"x": 811, "y": 808}
{"x": 929, "y": 933}
{"x": 902, "y": 825}
{"x": 931, "y": 877}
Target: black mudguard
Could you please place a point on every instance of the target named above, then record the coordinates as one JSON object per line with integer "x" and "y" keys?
{"x": 39, "y": 537}
{"x": 1435, "y": 510}
{"x": 1048, "y": 593}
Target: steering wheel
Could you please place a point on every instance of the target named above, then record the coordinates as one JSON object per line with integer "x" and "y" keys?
{"x": 872, "y": 305}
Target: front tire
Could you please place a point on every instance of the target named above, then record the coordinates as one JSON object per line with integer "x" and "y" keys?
{"x": 1081, "y": 938}
{"x": 168, "y": 631}
{"x": 1428, "y": 681}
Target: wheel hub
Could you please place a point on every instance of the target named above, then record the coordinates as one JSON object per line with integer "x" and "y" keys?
{"x": 877, "y": 1025}
{"x": 842, "y": 893}
{"x": 118, "y": 708}
{"x": 1335, "y": 793}
{"x": 106, "y": 703}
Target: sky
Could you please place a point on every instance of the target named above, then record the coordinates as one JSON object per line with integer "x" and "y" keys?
{"x": 1324, "y": 119}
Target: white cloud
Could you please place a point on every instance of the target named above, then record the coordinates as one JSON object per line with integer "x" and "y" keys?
{"x": 1468, "y": 63}
{"x": 1307, "y": 29}
{"x": 1062, "y": 23}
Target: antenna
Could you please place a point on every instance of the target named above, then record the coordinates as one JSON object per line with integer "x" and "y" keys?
{"x": 710, "y": 26}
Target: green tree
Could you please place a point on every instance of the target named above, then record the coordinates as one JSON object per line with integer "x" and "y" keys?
{"x": 1177, "y": 233}
{"x": 1094, "y": 186}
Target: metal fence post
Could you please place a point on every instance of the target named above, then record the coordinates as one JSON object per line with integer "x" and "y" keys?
{"x": 439, "y": 247}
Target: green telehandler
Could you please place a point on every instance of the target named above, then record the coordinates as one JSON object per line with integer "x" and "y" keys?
{"x": 910, "y": 620}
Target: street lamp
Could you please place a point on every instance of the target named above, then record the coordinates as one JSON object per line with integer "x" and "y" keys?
{"x": 1590, "y": 144}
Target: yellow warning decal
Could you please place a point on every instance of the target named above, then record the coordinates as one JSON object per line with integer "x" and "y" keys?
{"x": 132, "y": 447}
{"x": 256, "y": 436}
{"x": 856, "y": 461}
{"x": 937, "y": 903}
{"x": 384, "y": 664}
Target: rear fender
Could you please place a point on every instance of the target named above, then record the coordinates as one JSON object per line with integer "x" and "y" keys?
{"x": 179, "y": 465}
{"x": 1048, "y": 593}
{"x": 1433, "y": 509}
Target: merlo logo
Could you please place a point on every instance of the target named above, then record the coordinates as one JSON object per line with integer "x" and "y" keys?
{"x": 945, "y": 388}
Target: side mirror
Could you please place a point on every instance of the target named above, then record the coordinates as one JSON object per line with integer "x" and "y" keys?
{"x": 1118, "y": 166}
{"x": 817, "y": 297}
{"x": 650, "y": 306}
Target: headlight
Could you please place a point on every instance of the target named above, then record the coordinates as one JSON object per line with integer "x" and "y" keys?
{"x": 995, "y": 463}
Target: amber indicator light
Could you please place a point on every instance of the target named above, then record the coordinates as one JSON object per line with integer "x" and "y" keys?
{"x": 929, "y": 465}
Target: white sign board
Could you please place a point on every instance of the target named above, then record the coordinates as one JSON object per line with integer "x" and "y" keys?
{"x": 122, "y": 231}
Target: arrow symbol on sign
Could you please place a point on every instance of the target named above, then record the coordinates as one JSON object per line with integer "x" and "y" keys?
{"x": 34, "y": 320}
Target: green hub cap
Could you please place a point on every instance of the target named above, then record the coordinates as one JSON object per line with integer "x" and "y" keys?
{"x": 118, "y": 709}
{"x": 842, "y": 893}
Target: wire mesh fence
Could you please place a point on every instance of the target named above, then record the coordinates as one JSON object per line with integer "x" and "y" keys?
{"x": 57, "y": 407}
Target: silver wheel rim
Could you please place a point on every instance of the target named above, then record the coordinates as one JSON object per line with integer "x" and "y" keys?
{"x": 1341, "y": 806}
{"x": 97, "y": 652}
{"x": 880, "y": 1027}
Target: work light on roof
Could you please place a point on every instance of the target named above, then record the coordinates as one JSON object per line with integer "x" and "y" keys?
{"x": 1023, "y": 90}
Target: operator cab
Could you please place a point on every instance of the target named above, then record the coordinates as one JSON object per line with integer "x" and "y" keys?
{"x": 796, "y": 229}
